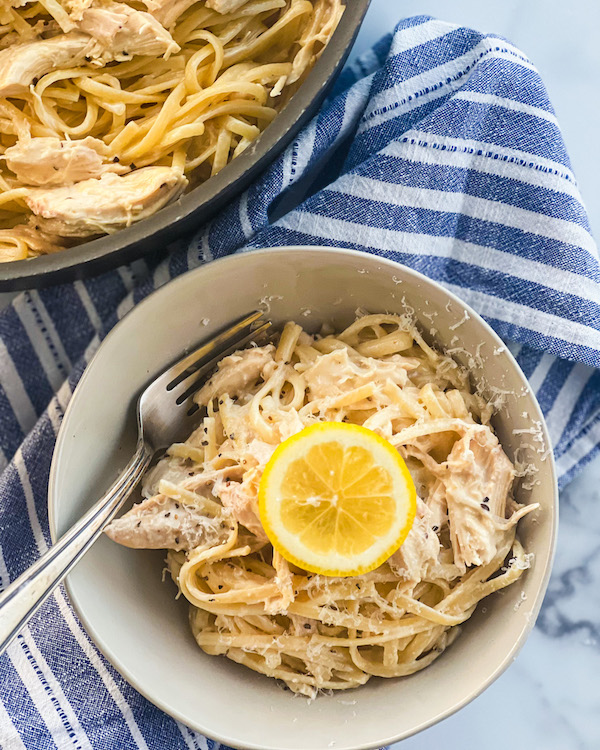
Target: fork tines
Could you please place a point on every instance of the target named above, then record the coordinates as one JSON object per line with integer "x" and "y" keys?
{"x": 188, "y": 375}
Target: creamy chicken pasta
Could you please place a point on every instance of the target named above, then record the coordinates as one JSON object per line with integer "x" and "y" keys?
{"x": 316, "y": 632}
{"x": 109, "y": 110}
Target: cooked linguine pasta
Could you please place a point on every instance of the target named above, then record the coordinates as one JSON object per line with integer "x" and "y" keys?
{"x": 109, "y": 110}
{"x": 315, "y": 632}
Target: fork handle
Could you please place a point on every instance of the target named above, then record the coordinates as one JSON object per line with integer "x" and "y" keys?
{"x": 23, "y": 597}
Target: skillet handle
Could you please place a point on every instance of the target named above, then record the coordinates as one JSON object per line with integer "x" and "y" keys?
{"x": 25, "y": 595}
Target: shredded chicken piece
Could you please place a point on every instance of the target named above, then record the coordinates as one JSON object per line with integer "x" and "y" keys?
{"x": 436, "y": 502}
{"x": 253, "y": 452}
{"x": 421, "y": 547}
{"x": 285, "y": 583}
{"x": 50, "y": 161}
{"x": 225, "y": 6}
{"x": 258, "y": 452}
{"x": 289, "y": 424}
{"x": 122, "y": 31}
{"x": 241, "y": 499}
{"x": 27, "y": 32}
{"x": 163, "y": 523}
{"x": 168, "y": 11}
{"x": 170, "y": 469}
{"x": 477, "y": 481}
{"x": 104, "y": 205}
{"x": 236, "y": 372}
{"x": 22, "y": 64}
{"x": 76, "y": 8}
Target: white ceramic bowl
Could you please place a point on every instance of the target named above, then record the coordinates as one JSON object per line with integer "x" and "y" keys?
{"x": 118, "y": 593}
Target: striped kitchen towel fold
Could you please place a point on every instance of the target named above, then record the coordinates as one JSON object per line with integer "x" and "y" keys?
{"x": 439, "y": 149}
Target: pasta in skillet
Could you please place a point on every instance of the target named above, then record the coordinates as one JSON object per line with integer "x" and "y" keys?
{"x": 316, "y": 632}
{"x": 110, "y": 110}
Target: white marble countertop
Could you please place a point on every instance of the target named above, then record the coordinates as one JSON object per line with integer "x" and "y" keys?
{"x": 549, "y": 699}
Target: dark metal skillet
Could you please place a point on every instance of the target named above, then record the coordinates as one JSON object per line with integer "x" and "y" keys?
{"x": 199, "y": 204}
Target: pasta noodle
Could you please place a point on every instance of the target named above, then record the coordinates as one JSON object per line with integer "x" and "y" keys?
{"x": 315, "y": 632}
{"x": 97, "y": 95}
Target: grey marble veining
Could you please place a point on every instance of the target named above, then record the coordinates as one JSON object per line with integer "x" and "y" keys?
{"x": 567, "y": 612}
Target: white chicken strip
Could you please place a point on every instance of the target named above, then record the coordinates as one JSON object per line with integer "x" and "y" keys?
{"x": 164, "y": 523}
{"x": 238, "y": 371}
{"x": 104, "y": 205}
{"x": 168, "y": 11}
{"x": 22, "y": 64}
{"x": 225, "y": 6}
{"x": 122, "y": 32}
{"x": 28, "y": 33}
{"x": 76, "y": 8}
{"x": 241, "y": 499}
{"x": 477, "y": 481}
{"x": 51, "y": 162}
{"x": 436, "y": 502}
{"x": 421, "y": 547}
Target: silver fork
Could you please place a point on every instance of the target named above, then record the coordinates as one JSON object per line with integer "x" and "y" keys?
{"x": 165, "y": 415}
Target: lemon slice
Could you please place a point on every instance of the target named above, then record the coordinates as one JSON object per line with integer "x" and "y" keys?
{"x": 336, "y": 499}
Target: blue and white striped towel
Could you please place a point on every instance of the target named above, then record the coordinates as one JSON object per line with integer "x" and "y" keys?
{"x": 440, "y": 149}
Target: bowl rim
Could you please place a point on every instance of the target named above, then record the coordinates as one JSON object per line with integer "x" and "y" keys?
{"x": 106, "y": 252}
{"x": 550, "y": 466}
